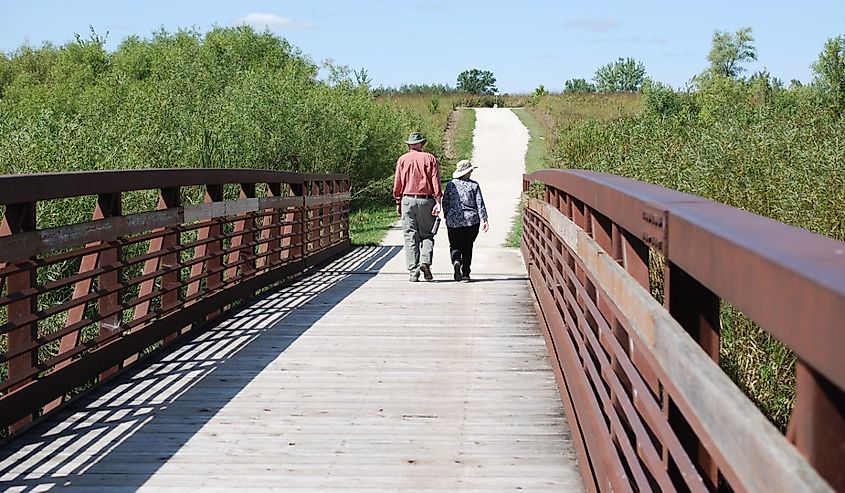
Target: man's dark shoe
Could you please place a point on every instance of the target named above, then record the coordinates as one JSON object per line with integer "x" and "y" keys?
{"x": 457, "y": 265}
{"x": 465, "y": 278}
{"x": 426, "y": 271}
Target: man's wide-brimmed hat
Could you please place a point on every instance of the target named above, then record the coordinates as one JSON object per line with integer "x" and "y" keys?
{"x": 463, "y": 167}
{"x": 415, "y": 138}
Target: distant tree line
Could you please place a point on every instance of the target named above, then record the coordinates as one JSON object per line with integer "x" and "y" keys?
{"x": 416, "y": 89}
{"x": 728, "y": 55}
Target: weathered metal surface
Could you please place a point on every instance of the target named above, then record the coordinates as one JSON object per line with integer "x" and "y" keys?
{"x": 140, "y": 281}
{"x": 645, "y": 374}
{"x": 16, "y": 189}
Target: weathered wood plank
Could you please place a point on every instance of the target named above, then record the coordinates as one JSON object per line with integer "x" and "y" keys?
{"x": 338, "y": 383}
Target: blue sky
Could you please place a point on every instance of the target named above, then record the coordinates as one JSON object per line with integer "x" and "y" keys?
{"x": 524, "y": 44}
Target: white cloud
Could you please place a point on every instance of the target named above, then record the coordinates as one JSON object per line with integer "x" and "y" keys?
{"x": 260, "y": 21}
{"x": 593, "y": 25}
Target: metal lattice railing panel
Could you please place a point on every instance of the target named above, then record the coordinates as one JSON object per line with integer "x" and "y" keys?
{"x": 640, "y": 379}
{"x": 79, "y": 302}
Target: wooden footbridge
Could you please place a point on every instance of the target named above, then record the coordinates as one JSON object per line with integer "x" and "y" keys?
{"x": 214, "y": 329}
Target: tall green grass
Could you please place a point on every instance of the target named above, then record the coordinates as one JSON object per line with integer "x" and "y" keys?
{"x": 748, "y": 144}
{"x": 461, "y": 135}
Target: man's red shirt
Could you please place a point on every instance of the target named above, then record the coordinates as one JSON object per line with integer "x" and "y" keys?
{"x": 416, "y": 174}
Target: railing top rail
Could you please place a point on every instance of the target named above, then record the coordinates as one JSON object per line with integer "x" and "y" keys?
{"x": 789, "y": 280}
{"x": 23, "y": 188}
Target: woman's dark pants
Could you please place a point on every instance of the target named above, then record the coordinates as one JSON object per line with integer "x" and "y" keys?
{"x": 460, "y": 245}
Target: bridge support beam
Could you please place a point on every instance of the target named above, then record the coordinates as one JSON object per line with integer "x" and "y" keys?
{"x": 817, "y": 425}
{"x": 696, "y": 309}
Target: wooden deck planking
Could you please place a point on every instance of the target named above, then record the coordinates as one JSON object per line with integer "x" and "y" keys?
{"x": 347, "y": 380}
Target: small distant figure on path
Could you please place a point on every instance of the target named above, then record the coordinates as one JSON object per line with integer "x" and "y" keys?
{"x": 416, "y": 190}
{"x": 464, "y": 209}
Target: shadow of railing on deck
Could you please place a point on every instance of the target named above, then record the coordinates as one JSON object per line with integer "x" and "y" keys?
{"x": 114, "y": 437}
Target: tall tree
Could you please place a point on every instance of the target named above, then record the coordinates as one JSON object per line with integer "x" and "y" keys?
{"x": 625, "y": 74}
{"x": 475, "y": 81}
{"x": 830, "y": 70}
{"x": 730, "y": 51}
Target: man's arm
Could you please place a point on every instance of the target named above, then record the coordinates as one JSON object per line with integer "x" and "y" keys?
{"x": 435, "y": 186}
{"x": 398, "y": 187}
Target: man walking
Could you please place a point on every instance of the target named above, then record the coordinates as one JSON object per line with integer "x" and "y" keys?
{"x": 416, "y": 190}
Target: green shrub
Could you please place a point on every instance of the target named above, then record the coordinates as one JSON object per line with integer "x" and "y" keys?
{"x": 231, "y": 97}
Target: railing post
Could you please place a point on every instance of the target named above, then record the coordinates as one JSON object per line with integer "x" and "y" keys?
{"x": 272, "y": 223}
{"x": 311, "y": 226}
{"x": 295, "y": 241}
{"x": 335, "y": 215}
{"x": 817, "y": 424}
{"x": 323, "y": 232}
{"x": 170, "y": 261}
{"x": 243, "y": 244}
{"x": 20, "y": 218}
{"x": 108, "y": 205}
{"x": 213, "y": 265}
{"x": 168, "y": 197}
{"x": 696, "y": 309}
{"x": 635, "y": 259}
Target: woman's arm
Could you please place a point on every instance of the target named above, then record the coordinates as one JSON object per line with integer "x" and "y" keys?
{"x": 448, "y": 197}
{"x": 482, "y": 210}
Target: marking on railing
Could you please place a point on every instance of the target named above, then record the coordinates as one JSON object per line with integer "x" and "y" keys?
{"x": 312, "y": 200}
{"x": 655, "y": 233}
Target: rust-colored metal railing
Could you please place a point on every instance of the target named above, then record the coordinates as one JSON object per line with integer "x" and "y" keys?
{"x": 80, "y": 301}
{"x": 649, "y": 407}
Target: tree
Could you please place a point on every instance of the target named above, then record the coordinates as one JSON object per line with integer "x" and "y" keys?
{"x": 830, "y": 70}
{"x": 625, "y": 74}
{"x": 578, "y": 85}
{"x": 730, "y": 51}
{"x": 476, "y": 81}
{"x": 362, "y": 78}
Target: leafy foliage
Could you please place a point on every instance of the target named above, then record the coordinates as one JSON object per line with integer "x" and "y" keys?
{"x": 830, "y": 72}
{"x": 231, "y": 97}
{"x": 578, "y": 85}
{"x": 475, "y": 81}
{"x": 623, "y": 75}
{"x": 730, "y": 51}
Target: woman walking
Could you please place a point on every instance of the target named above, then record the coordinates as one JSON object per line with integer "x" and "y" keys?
{"x": 464, "y": 209}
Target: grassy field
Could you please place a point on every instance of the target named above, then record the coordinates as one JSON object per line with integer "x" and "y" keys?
{"x": 368, "y": 222}
{"x": 460, "y": 134}
{"x": 535, "y": 159}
